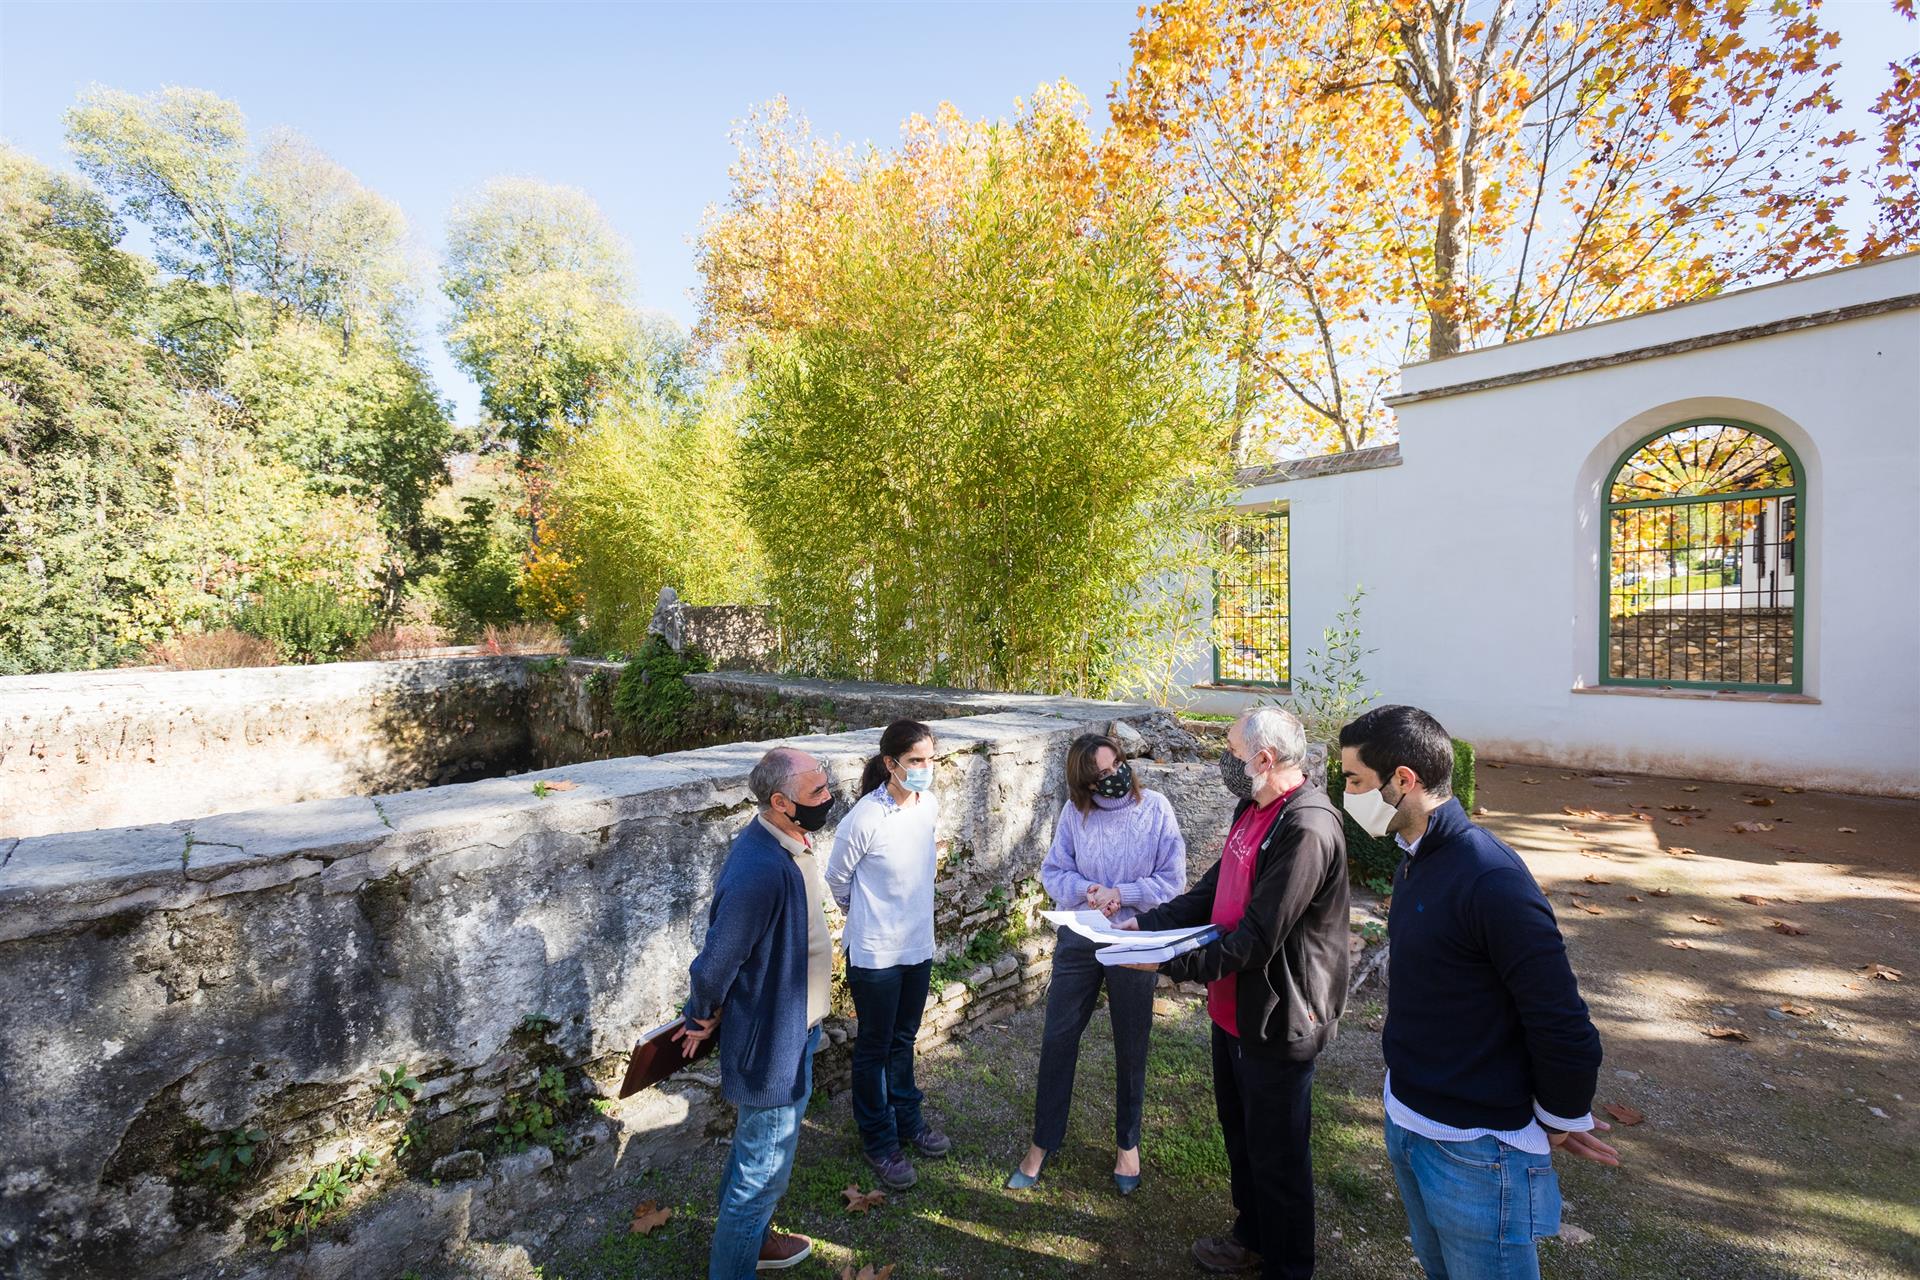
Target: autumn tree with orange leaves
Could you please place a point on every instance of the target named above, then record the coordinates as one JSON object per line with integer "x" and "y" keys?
{"x": 1363, "y": 184}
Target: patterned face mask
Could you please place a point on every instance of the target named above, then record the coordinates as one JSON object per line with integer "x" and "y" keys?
{"x": 1234, "y": 776}
{"x": 1116, "y": 784}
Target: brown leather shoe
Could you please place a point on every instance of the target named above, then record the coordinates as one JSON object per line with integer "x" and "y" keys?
{"x": 781, "y": 1252}
{"x": 1223, "y": 1255}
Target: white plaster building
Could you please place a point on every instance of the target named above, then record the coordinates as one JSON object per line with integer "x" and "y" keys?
{"x": 1497, "y": 560}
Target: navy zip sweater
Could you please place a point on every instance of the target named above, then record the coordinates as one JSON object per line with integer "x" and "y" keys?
{"x": 753, "y": 968}
{"x": 1484, "y": 1016}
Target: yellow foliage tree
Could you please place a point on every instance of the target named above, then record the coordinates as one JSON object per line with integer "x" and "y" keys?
{"x": 1366, "y": 183}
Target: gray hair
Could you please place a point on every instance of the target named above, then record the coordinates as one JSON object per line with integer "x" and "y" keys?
{"x": 1274, "y": 729}
{"x": 776, "y": 769}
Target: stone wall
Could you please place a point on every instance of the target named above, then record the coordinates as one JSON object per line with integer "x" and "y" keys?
{"x": 165, "y": 984}
{"x": 738, "y": 637}
{"x": 94, "y": 749}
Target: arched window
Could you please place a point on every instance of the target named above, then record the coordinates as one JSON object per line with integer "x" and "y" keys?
{"x": 1706, "y": 561}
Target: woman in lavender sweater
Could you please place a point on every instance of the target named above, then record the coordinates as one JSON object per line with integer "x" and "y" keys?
{"x": 1117, "y": 850}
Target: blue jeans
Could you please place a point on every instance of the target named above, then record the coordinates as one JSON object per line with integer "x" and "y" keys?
{"x": 758, "y": 1167}
{"x": 1474, "y": 1208}
{"x": 886, "y": 1102}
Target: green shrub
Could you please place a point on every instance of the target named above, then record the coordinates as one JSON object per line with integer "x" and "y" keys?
{"x": 479, "y": 580}
{"x": 307, "y": 621}
{"x": 1371, "y": 858}
{"x": 652, "y": 697}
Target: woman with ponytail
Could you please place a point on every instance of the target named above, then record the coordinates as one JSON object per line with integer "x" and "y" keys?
{"x": 881, "y": 873}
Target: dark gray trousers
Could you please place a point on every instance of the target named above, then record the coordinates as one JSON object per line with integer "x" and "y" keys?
{"x": 1077, "y": 978}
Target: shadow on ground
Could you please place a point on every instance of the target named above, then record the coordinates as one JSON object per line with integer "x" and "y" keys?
{"x": 1788, "y": 1155}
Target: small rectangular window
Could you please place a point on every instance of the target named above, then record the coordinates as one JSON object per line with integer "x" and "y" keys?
{"x": 1252, "y": 642}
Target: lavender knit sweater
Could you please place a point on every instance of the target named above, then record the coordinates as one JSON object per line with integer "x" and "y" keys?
{"x": 1136, "y": 848}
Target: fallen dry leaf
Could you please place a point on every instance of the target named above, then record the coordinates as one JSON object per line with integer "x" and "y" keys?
{"x": 1623, "y": 1113}
{"x": 1679, "y": 822}
{"x": 647, "y": 1216}
{"x": 1594, "y": 879}
{"x": 1532, "y": 782}
{"x": 859, "y": 1201}
{"x": 1681, "y": 851}
{"x": 1491, "y": 765}
{"x": 1883, "y": 973}
{"x": 866, "y": 1273}
{"x": 1633, "y": 897}
{"x": 1596, "y": 853}
{"x": 1680, "y": 944}
{"x": 1754, "y": 898}
{"x": 1728, "y": 1033}
{"x": 1689, "y": 788}
{"x": 1791, "y": 930}
{"x": 1743, "y": 828}
{"x": 1848, "y": 831}
{"x": 1762, "y": 802}
{"x": 1792, "y": 791}
{"x": 1706, "y": 919}
{"x": 1588, "y": 907}
{"x": 1798, "y": 1010}
{"x": 1661, "y": 893}
{"x": 1683, "y": 808}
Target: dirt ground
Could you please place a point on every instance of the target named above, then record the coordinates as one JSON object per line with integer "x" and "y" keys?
{"x": 1788, "y": 1150}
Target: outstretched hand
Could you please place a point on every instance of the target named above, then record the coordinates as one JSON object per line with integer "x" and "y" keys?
{"x": 1586, "y": 1146}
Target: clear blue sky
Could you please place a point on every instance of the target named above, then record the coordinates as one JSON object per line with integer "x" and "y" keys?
{"x": 630, "y": 102}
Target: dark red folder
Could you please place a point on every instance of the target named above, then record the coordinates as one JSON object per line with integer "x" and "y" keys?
{"x": 659, "y": 1055}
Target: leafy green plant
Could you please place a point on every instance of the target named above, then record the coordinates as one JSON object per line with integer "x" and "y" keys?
{"x": 1330, "y": 689}
{"x": 229, "y": 1156}
{"x": 307, "y": 621}
{"x": 478, "y": 582}
{"x": 530, "y": 1117}
{"x": 652, "y": 696}
{"x": 396, "y": 1091}
{"x": 325, "y": 1191}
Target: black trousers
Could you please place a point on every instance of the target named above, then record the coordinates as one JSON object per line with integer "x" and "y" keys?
{"x": 1077, "y": 978}
{"x": 1266, "y": 1118}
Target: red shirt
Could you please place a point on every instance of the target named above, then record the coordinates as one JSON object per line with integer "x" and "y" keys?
{"x": 1230, "y": 894}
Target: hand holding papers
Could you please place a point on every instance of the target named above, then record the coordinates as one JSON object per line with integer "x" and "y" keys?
{"x": 1131, "y": 946}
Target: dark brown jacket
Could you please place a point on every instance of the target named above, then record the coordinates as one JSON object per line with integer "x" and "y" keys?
{"x": 1290, "y": 948}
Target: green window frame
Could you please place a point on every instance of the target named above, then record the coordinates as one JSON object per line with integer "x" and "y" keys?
{"x": 1259, "y": 652}
{"x": 1698, "y": 513}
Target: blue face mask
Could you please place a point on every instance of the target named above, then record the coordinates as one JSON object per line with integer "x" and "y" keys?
{"x": 918, "y": 779}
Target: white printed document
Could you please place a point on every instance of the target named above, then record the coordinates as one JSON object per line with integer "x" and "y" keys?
{"x": 1131, "y": 946}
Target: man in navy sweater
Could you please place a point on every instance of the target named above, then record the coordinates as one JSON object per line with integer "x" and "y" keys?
{"x": 1491, "y": 1056}
{"x": 767, "y": 964}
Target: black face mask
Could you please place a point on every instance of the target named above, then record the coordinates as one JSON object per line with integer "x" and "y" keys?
{"x": 1116, "y": 784}
{"x": 1234, "y": 776}
{"x": 811, "y": 817}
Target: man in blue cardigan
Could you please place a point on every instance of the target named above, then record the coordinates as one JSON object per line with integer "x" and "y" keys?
{"x": 1491, "y": 1056}
{"x": 766, "y": 965}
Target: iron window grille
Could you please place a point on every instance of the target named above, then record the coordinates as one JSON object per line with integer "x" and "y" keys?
{"x": 1705, "y": 582}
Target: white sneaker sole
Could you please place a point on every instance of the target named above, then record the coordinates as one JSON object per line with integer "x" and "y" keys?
{"x": 794, "y": 1261}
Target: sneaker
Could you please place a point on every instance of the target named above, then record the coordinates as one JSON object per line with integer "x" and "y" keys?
{"x": 1223, "y": 1255}
{"x": 894, "y": 1170}
{"x": 781, "y": 1252}
{"x": 933, "y": 1144}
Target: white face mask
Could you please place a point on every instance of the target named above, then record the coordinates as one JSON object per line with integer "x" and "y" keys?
{"x": 1371, "y": 810}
